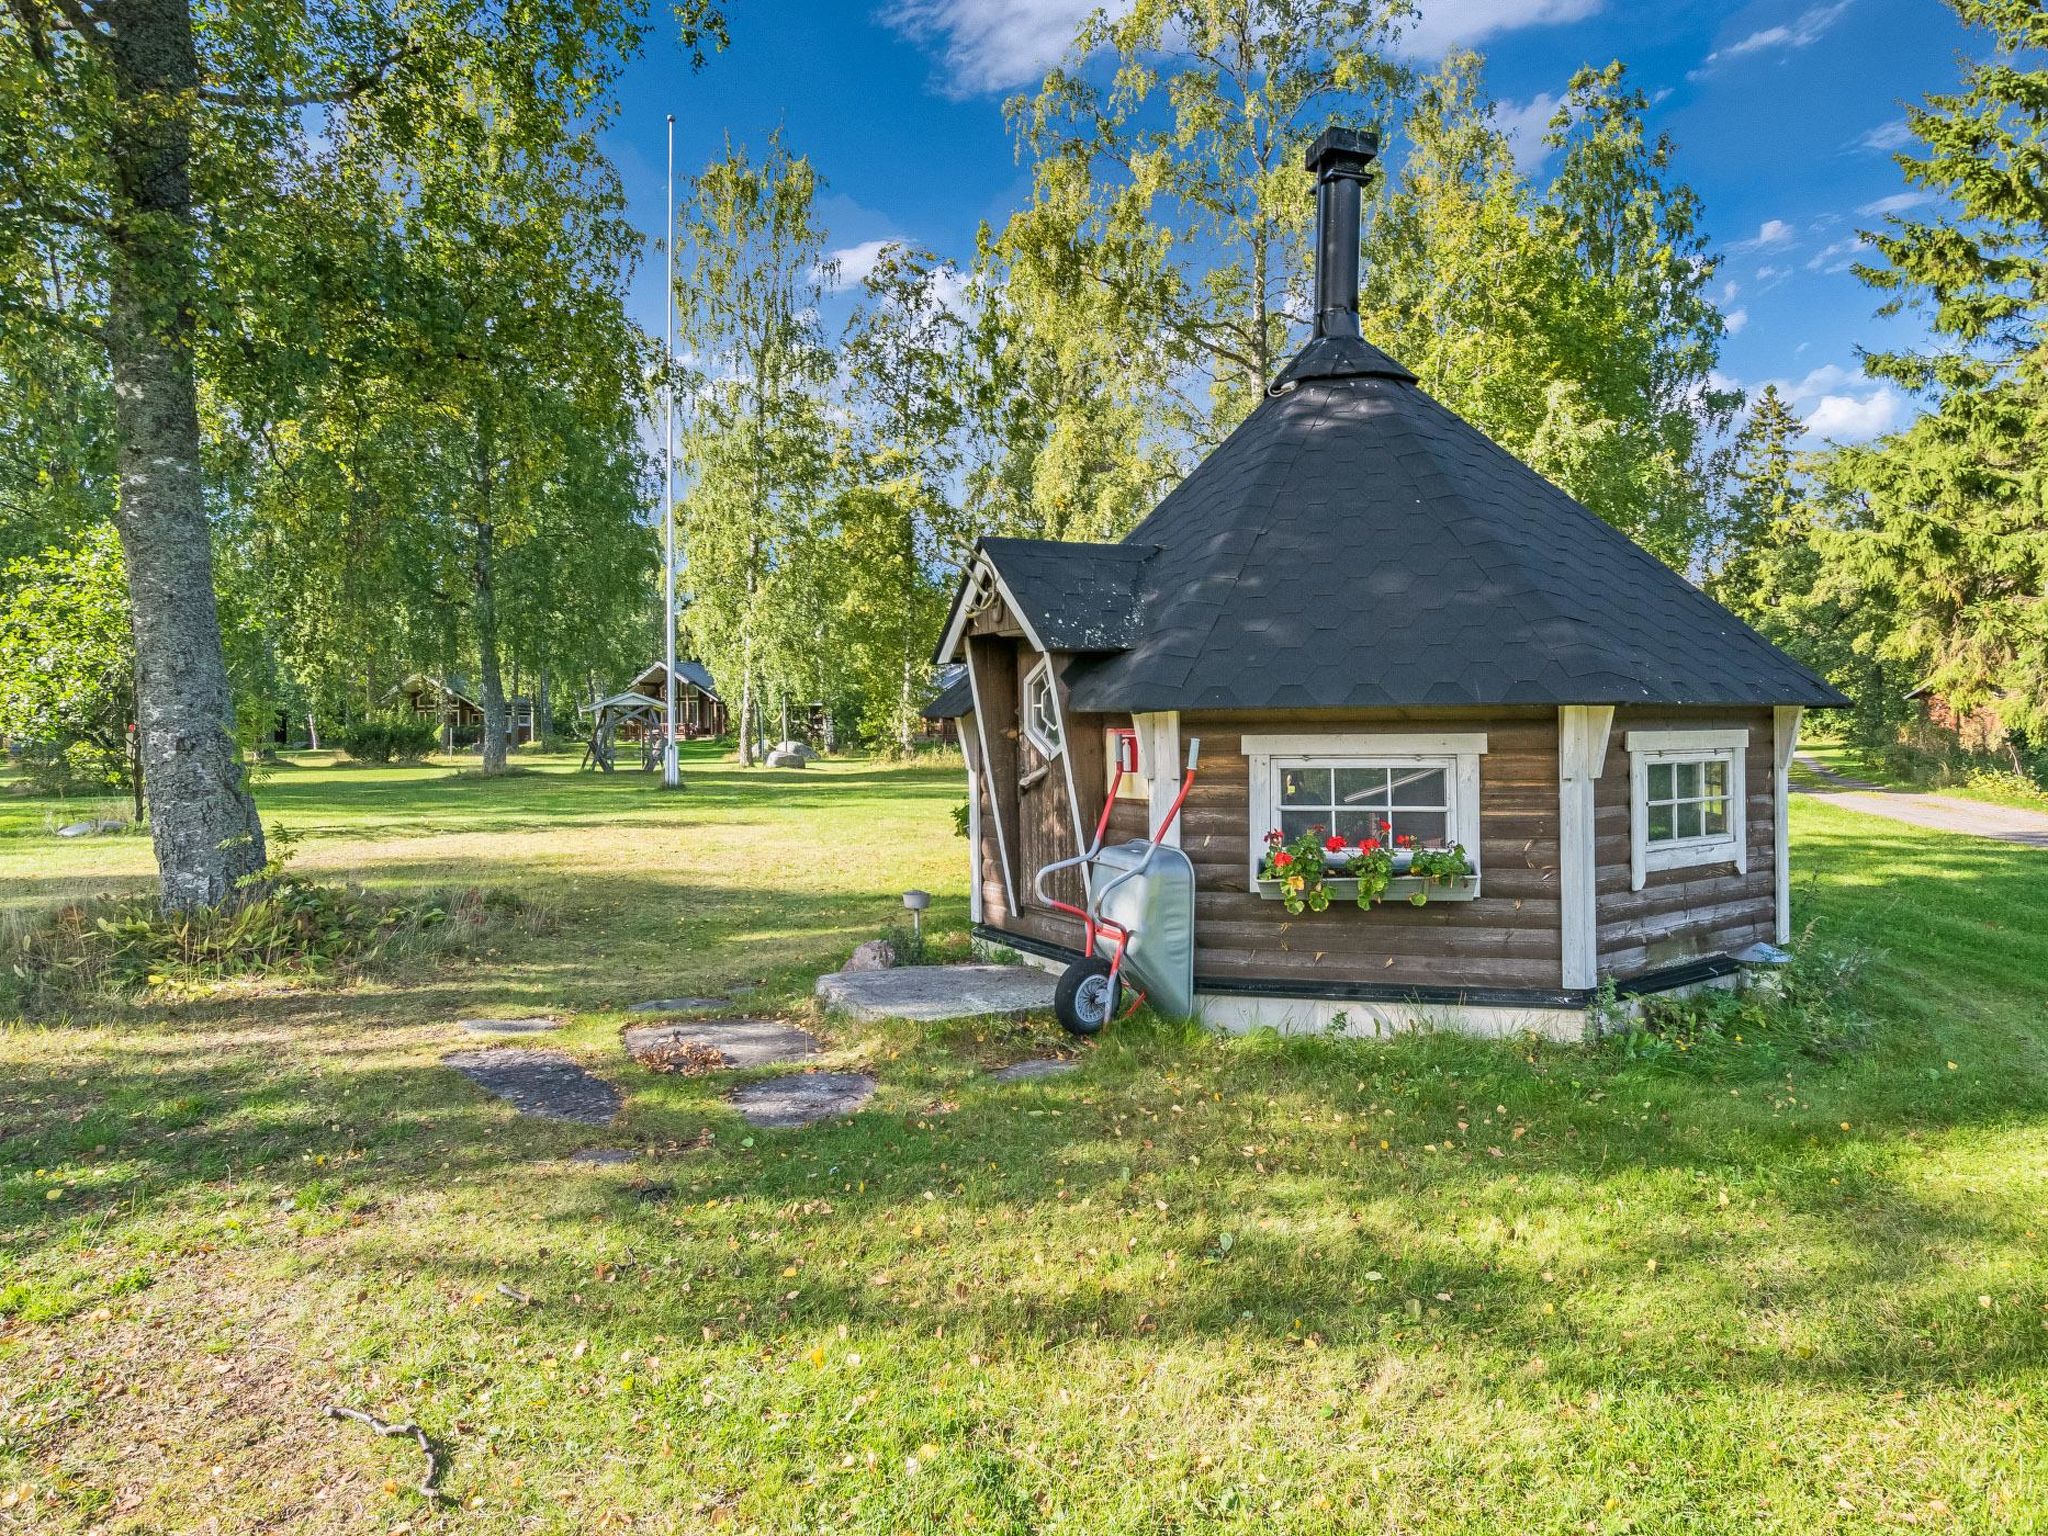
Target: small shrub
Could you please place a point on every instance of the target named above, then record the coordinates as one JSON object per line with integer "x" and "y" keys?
{"x": 2007, "y": 786}
{"x": 1804, "y": 1009}
{"x": 390, "y": 738}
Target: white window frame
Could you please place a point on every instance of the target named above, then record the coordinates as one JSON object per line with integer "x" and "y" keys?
{"x": 1048, "y": 748}
{"x": 1456, "y": 752}
{"x": 1730, "y": 847}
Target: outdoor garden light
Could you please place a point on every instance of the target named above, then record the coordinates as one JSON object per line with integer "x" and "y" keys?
{"x": 915, "y": 902}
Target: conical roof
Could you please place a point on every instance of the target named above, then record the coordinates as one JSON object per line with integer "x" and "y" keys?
{"x": 1355, "y": 544}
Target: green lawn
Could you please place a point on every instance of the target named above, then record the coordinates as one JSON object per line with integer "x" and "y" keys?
{"x": 1199, "y": 1285}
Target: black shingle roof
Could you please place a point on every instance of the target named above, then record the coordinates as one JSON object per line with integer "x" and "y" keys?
{"x": 1075, "y": 597}
{"x": 954, "y": 698}
{"x": 1355, "y": 544}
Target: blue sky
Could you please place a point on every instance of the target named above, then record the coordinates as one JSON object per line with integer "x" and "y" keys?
{"x": 1785, "y": 116}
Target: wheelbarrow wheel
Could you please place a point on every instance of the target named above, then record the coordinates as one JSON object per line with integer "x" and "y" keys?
{"x": 1087, "y": 996}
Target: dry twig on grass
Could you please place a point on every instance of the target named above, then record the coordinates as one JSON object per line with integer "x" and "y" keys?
{"x": 425, "y": 1485}
{"x": 515, "y": 1295}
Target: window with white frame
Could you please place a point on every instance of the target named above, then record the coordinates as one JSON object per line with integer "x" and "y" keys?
{"x": 1686, "y": 800}
{"x": 1418, "y": 786}
{"x": 1042, "y": 709}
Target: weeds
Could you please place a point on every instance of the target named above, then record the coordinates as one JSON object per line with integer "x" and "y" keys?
{"x": 287, "y": 927}
{"x": 1806, "y": 1008}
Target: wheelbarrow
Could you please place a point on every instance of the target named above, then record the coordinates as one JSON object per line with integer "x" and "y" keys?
{"x": 1139, "y": 918}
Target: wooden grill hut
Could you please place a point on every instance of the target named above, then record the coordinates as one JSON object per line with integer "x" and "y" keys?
{"x": 1377, "y": 620}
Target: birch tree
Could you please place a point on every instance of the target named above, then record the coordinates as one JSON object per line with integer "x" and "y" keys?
{"x": 757, "y": 439}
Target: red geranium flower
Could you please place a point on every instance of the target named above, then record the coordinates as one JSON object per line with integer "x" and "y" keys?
{"x": 1333, "y": 844}
{"x": 1403, "y": 841}
{"x": 1282, "y": 860}
{"x": 1371, "y": 845}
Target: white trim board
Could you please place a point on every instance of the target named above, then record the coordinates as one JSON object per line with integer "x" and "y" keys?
{"x": 1237, "y": 1014}
{"x": 1784, "y": 741}
{"x": 1643, "y": 748}
{"x": 1159, "y": 760}
{"x": 1582, "y": 734}
{"x": 1457, "y": 752}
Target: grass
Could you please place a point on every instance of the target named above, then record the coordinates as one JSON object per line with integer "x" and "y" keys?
{"x": 1200, "y": 1284}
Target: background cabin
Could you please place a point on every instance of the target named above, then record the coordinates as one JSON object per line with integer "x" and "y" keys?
{"x": 1378, "y": 621}
{"x": 700, "y": 712}
{"x": 451, "y": 702}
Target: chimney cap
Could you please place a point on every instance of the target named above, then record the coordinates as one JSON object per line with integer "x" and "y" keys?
{"x": 1342, "y": 152}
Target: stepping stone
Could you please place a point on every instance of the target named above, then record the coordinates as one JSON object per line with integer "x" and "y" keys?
{"x": 602, "y": 1157}
{"x": 784, "y": 1103}
{"x": 678, "y": 1004}
{"x": 509, "y": 1026}
{"x": 1025, "y": 1071}
{"x": 929, "y": 993}
{"x": 545, "y": 1083}
{"x": 741, "y": 1042}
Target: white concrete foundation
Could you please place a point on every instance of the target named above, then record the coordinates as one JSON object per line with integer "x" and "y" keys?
{"x": 1370, "y": 1021}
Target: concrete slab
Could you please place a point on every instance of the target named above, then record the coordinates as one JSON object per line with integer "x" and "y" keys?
{"x": 1027, "y": 1071}
{"x": 929, "y": 993}
{"x": 741, "y": 1042}
{"x": 785, "y": 1103}
{"x": 508, "y": 1026}
{"x": 545, "y": 1083}
{"x": 678, "y": 1004}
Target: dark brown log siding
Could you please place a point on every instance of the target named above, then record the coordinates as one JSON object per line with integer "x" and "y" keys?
{"x": 1683, "y": 914}
{"x": 1509, "y": 937}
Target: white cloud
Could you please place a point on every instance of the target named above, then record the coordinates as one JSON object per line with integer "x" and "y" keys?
{"x": 1898, "y": 202}
{"x": 1888, "y": 136}
{"x": 1802, "y": 31}
{"x": 1840, "y": 256}
{"x": 1771, "y": 233}
{"x": 1736, "y": 320}
{"x": 1444, "y": 23}
{"x": 849, "y": 266}
{"x": 1766, "y": 272}
{"x": 991, "y": 45}
{"x": 996, "y": 45}
{"x": 1729, "y": 290}
{"x": 1841, "y": 406}
{"x": 1524, "y": 124}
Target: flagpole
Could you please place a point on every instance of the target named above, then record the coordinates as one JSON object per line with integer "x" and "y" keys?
{"x": 670, "y": 776}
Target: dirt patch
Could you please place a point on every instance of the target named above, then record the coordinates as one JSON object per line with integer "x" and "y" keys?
{"x": 508, "y": 1026}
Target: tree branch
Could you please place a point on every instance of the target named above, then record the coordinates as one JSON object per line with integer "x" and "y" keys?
{"x": 353, "y": 87}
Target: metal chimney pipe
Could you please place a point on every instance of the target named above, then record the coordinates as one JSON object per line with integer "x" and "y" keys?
{"x": 1339, "y": 160}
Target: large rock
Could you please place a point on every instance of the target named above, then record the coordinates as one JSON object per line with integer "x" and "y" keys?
{"x": 738, "y": 1042}
{"x": 933, "y": 992}
{"x": 780, "y": 759}
{"x": 545, "y": 1083}
{"x": 797, "y": 749}
{"x": 874, "y": 955}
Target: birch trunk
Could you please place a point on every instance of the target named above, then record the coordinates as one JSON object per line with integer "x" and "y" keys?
{"x": 203, "y": 822}
{"x": 493, "y": 690}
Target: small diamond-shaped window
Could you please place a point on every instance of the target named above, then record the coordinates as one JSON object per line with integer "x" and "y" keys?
{"x": 1041, "y": 710}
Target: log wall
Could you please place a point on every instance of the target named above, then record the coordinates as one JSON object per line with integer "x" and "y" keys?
{"x": 1683, "y": 914}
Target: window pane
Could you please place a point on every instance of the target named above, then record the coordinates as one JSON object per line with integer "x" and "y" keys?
{"x": 1353, "y": 825}
{"x": 1428, "y": 828}
{"x": 1423, "y": 786}
{"x": 1660, "y": 781}
{"x": 1686, "y": 778}
{"x": 1294, "y": 823}
{"x": 1361, "y": 786}
{"x": 1660, "y": 824}
{"x": 1716, "y": 812}
{"x": 1304, "y": 786}
{"x": 1688, "y": 818}
{"x": 1717, "y": 777}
